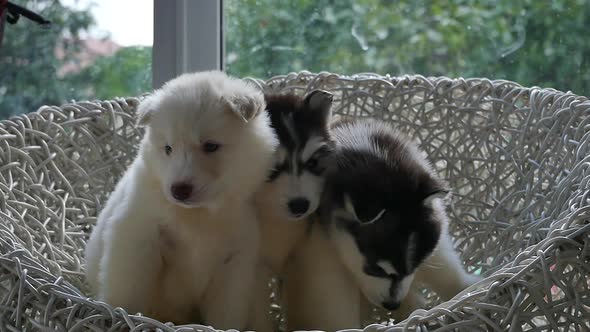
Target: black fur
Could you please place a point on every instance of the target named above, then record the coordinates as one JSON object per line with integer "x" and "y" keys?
{"x": 306, "y": 121}
{"x": 393, "y": 180}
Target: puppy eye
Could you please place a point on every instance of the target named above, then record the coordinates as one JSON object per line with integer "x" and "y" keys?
{"x": 210, "y": 147}
{"x": 168, "y": 149}
{"x": 274, "y": 173}
{"x": 375, "y": 271}
{"x": 311, "y": 163}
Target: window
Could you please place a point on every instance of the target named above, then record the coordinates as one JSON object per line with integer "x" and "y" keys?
{"x": 535, "y": 43}
{"x": 187, "y": 38}
{"x": 103, "y": 49}
{"x": 94, "y": 50}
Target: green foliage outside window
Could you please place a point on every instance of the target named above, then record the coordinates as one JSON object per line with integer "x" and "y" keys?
{"x": 535, "y": 43}
{"x": 28, "y": 76}
{"x": 30, "y": 66}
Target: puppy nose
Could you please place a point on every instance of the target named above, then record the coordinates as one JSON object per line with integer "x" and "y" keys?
{"x": 298, "y": 206}
{"x": 181, "y": 190}
{"x": 390, "y": 305}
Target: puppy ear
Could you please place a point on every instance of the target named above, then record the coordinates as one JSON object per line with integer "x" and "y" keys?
{"x": 320, "y": 101}
{"x": 349, "y": 207}
{"x": 145, "y": 111}
{"x": 247, "y": 107}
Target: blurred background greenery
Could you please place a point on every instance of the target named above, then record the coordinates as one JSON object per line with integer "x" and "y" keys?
{"x": 532, "y": 42}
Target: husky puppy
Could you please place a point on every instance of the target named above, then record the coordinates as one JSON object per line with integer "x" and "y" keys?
{"x": 384, "y": 212}
{"x": 295, "y": 183}
{"x": 207, "y": 148}
{"x": 293, "y": 188}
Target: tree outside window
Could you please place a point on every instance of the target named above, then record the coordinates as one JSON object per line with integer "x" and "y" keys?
{"x": 534, "y": 43}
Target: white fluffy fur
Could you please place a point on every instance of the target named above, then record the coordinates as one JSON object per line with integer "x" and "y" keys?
{"x": 280, "y": 235}
{"x": 168, "y": 259}
{"x": 320, "y": 292}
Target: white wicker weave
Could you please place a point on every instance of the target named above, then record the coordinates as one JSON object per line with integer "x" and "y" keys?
{"x": 517, "y": 158}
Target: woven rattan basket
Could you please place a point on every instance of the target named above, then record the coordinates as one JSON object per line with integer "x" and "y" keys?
{"x": 517, "y": 158}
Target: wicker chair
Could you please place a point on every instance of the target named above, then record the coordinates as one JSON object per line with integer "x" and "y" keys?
{"x": 517, "y": 158}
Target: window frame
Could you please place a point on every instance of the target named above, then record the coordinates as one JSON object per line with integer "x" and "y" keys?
{"x": 188, "y": 37}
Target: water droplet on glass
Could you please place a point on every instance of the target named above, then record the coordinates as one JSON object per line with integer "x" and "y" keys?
{"x": 359, "y": 38}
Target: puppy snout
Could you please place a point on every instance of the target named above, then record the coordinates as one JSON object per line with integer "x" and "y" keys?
{"x": 181, "y": 191}
{"x": 390, "y": 304}
{"x": 298, "y": 206}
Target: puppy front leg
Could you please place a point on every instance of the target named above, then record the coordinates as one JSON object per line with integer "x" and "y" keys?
{"x": 320, "y": 294}
{"x": 229, "y": 293}
{"x": 95, "y": 245}
{"x": 444, "y": 272}
{"x": 92, "y": 256}
{"x": 130, "y": 265}
{"x": 414, "y": 300}
{"x": 261, "y": 319}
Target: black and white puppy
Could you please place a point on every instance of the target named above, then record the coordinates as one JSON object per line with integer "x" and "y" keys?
{"x": 294, "y": 186}
{"x": 384, "y": 211}
{"x": 290, "y": 195}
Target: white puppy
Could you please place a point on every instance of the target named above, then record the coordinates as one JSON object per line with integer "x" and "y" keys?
{"x": 178, "y": 238}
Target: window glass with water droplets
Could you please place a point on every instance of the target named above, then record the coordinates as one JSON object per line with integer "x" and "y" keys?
{"x": 534, "y": 43}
